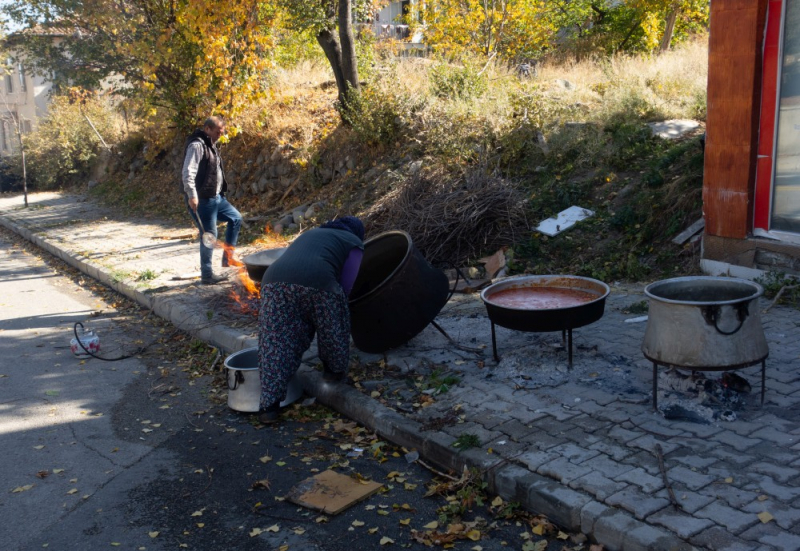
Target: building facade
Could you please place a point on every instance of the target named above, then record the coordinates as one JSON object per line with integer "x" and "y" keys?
{"x": 751, "y": 187}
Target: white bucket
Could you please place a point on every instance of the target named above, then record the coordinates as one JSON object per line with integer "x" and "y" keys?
{"x": 244, "y": 382}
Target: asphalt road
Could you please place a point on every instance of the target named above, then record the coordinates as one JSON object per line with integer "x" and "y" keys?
{"x": 144, "y": 454}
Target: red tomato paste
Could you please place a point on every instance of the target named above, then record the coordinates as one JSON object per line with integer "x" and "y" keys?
{"x": 540, "y": 298}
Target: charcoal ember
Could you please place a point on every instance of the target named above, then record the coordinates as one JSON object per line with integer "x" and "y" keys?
{"x": 735, "y": 382}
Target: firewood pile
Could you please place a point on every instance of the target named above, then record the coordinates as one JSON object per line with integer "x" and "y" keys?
{"x": 453, "y": 220}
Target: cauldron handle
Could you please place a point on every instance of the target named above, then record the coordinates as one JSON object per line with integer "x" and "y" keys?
{"x": 711, "y": 315}
{"x": 238, "y": 378}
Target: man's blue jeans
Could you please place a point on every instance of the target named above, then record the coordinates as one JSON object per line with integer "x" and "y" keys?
{"x": 210, "y": 212}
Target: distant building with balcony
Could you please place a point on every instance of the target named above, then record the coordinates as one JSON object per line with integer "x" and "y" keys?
{"x": 389, "y": 24}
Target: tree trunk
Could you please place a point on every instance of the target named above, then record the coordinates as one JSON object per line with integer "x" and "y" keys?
{"x": 669, "y": 29}
{"x": 333, "y": 52}
{"x": 348, "y": 47}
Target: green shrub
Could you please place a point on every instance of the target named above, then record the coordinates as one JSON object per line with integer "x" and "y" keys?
{"x": 374, "y": 115}
{"x": 64, "y": 144}
{"x": 457, "y": 81}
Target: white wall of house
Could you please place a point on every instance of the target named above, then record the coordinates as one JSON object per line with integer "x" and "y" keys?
{"x": 23, "y": 100}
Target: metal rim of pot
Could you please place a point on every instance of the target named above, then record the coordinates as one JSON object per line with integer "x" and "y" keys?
{"x": 397, "y": 268}
{"x": 509, "y": 282}
{"x": 649, "y": 290}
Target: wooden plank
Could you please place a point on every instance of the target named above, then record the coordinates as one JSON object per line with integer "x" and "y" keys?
{"x": 687, "y": 234}
{"x": 331, "y": 492}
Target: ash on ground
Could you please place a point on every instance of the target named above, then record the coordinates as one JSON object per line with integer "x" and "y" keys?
{"x": 698, "y": 398}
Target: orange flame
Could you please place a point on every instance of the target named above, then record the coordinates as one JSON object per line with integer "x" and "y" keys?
{"x": 248, "y": 292}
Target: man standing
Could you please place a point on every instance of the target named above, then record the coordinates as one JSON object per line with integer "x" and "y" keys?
{"x": 204, "y": 188}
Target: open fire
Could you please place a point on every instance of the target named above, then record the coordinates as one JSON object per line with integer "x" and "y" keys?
{"x": 246, "y": 293}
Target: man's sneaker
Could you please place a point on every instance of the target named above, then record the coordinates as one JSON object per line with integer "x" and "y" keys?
{"x": 213, "y": 279}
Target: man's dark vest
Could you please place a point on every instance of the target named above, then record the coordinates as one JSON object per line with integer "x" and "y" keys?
{"x": 205, "y": 180}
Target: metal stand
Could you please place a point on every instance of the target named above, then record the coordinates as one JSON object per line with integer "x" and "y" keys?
{"x": 763, "y": 378}
{"x": 566, "y": 341}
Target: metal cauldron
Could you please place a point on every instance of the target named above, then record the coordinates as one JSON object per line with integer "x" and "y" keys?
{"x": 257, "y": 263}
{"x": 396, "y": 295}
{"x": 244, "y": 382}
{"x": 704, "y": 323}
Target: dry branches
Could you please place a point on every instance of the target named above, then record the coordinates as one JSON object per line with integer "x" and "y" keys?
{"x": 453, "y": 219}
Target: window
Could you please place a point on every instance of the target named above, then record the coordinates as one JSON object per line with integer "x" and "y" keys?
{"x": 23, "y": 85}
{"x": 9, "y": 77}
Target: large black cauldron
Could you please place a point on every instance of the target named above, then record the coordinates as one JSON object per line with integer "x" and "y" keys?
{"x": 396, "y": 295}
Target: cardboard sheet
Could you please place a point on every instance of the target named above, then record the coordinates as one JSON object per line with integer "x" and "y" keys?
{"x": 331, "y": 492}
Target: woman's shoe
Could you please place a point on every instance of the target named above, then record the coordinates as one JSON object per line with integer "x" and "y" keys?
{"x": 270, "y": 415}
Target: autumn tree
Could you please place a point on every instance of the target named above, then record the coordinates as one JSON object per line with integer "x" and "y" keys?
{"x": 190, "y": 58}
{"x": 331, "y": 22}
{"x": 512, "y": 29}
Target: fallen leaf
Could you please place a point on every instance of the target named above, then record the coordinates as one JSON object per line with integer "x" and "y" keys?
{"x": 58, "y": 471}
{"x": 383, "y": 513}
{"x": 357, "y": 523}
{"x": 255, "y": 531}
{"x": 320, "y": 520}
{"x": 729, "y": 479}
{"x": 386, "y": 540}
{"x": 198, "y": 513}
{"x": 22, "y": 489}
{"x": 273, "y": 528}
{"x": 261, "y": 484}
{"x": 115, "y": 544}
{"x": 299, "y": 531}
{"x": 765, "y": 517}
{"x": 762, "y": 497}
{"x": 153, "y": 534}
{"x": 72, "y": 491}
{"x": 431, "y": 525}
{"x": 474, "y": 535}
{"x": 201, "y": 524}
{"x": 497, "y": 502}
{"x": 265, "y": 459}
{"x": 38, "y": 447}
{"x": 562, "y": 536}
{"x": 280, "y": 463}
{"x": 476, "y": 548}
{"x": 538, "y": 529}
{"x": 283, "y": 548}
{"x": 373, "y": 530}
{"x": 405, "y": 521}
{"x": 42, "y": 474}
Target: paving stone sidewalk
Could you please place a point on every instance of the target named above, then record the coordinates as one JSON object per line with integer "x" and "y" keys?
{"x": 578, "y": 445}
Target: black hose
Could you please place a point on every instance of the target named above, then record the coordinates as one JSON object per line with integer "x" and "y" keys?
{"x": 78, "y": 340}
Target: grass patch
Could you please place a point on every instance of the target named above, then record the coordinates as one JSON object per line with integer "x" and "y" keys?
{"x": 467, "y": 441}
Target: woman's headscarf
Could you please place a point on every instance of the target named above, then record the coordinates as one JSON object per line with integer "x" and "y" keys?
{"x": 347, "y": 223}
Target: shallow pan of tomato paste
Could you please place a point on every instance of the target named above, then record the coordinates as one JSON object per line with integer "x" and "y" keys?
{"x": 545, "y": 302}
